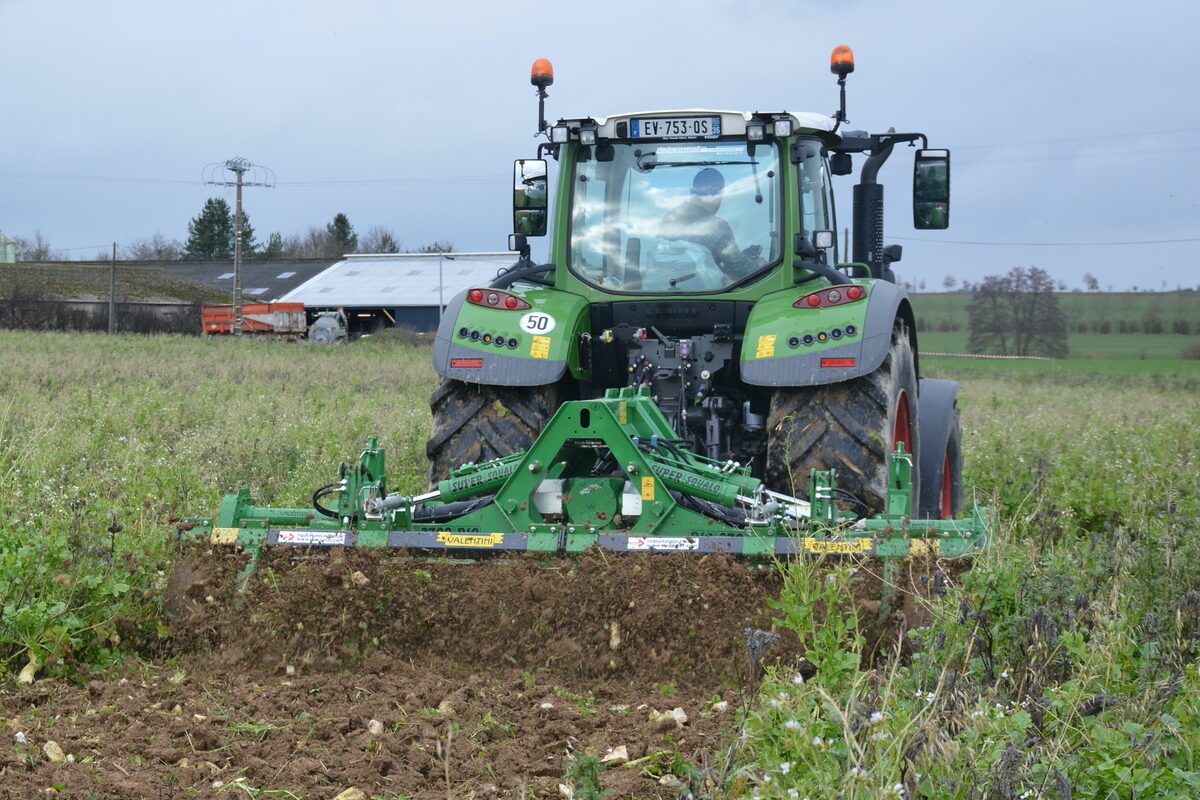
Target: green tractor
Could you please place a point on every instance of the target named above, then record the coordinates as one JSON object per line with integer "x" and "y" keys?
{"x": 694, "y": 258}
{"x": 694, "y": 370}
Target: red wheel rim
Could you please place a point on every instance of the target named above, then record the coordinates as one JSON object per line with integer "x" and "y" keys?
{"x": 902, "y": 427}
{"x": 947, "y": 489}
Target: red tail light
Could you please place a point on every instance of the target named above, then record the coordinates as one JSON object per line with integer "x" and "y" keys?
{"x": 836, "y": 296}
{"x": 838, "y": 362}
{"x": 496, "y": 299}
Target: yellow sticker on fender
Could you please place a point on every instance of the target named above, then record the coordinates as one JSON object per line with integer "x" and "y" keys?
{"x": 766, "y": 346}
{"x": 844, "y": 547}
{"x": 540, "y": 347}
{"x": 224, "y": 536}
{"x": 647, "y": 488}
{"x": 623, "y": 412}
{"x": 470, "y": 539}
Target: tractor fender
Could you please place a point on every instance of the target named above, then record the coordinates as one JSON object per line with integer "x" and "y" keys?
{"x": 768, "y": 360}
{"x": 529, "y": 357}
{"x": 937, "y": 421}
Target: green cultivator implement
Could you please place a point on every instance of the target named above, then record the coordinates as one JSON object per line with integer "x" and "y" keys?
{"x": 605, "y": 473}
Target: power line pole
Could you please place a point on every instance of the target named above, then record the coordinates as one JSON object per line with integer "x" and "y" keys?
{"x": 112, "y": 293}
{"x": 259, "y": 176}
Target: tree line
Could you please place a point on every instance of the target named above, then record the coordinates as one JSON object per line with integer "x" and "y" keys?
{"x": 211, "y": 237}
{"x": 1017, "y": 314}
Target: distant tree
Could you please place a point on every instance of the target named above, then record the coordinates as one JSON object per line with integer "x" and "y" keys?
{"x": 1152, "y": 319}
{"x": 435, "y": 247}
{"x": 36, "y": 248}
{"x": 273, "y": 248}
{"x": 379, "y": 240}
{"x": 948, "y": 283}
{"x": 342, "y": 234}
{"x": 210, "y": 233}
{"x": 314, "y": 243}
{"x": 156, "y": 248}
{"x": 1017, "y": 314}
{"x": 1090, "y": 283}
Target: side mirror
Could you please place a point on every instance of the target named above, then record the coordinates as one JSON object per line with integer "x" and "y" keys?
{"x": 931, "y": 190}
{"x": 530, "y": 197}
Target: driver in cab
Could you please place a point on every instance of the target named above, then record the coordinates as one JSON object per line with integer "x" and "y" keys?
{"x": 695, "y": 220}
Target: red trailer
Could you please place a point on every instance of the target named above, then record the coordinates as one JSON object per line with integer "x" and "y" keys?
{"x": 282, "y": 320}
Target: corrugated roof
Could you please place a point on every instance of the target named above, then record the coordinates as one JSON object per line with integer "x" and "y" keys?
{"x": 405, "y": 279}
{"x": 261, "y": 280}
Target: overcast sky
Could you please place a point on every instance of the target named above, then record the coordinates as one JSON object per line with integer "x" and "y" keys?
{"x": 1069, "y": 122}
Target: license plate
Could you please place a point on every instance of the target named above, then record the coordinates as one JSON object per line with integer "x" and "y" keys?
{"x": 676, "y": 128}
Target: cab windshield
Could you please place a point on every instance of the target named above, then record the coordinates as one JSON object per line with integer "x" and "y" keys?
{"x": 681, "y": 217}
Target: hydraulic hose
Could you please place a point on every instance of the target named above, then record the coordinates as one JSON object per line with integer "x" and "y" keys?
{"x": 522, "y": 270}
{"x": 323, "y": 492}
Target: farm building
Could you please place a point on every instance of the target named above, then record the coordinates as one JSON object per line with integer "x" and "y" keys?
{"x": 376, "y": 291}
{"x": 262, "y": 281}
{"x": 407, "y": 290}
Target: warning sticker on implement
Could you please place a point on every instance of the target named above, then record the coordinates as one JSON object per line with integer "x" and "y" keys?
{"x": 766, "y": 347}
{"x": 648, "y": 488}
{"x": 313, "y": 538}
{"x": 470, "y": 539}
{"x": 840, "y": 547}
{"x": 224, "y": 536}
{"x": 662, "y": 543}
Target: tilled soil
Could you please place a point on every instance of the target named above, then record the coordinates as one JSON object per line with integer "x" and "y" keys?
{"x": 408, "y": 678}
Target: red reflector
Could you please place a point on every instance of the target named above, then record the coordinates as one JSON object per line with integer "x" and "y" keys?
{"x": 838, "y": 362}
{"x": 475, "y": 296}
{"x": 466, "y": 363}
{"x": 854, "y": 292}
{"x": 814, "y": 300}
{"x": 510, "y": 302}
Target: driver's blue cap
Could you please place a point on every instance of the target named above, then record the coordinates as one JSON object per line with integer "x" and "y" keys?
{"x": 708, "y": 182}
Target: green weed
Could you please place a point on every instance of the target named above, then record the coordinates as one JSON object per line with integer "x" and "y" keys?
{"x": 1063, "y": 664}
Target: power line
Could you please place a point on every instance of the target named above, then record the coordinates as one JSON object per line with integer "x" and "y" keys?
{"x": 477, "y": 179}
{"x": 448, "y": 180}
{"x": 1073, "y": 156}
{"x": 1078, "y": 139}
{"x": 59, "y": 176}
{"x": 1045, "y": 244}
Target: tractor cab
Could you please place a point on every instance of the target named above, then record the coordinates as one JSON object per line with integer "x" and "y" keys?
{"x": 684, "y": 202}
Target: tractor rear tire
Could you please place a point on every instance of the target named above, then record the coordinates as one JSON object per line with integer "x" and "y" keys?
{"x": 849, "y": 426}
{"x": 473, "y": 423}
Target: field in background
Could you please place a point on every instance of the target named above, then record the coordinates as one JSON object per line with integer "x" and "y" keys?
{"x": 1062, "y": 664}
{"x": 1101, "y": 325}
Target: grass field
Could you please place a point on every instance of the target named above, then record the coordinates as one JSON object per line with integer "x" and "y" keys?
{"x": 1087, "y": 346}
{"x": 1062, "y": 665}
{"x": 1131, "y": 307}
{"x": 945, "y": 323}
